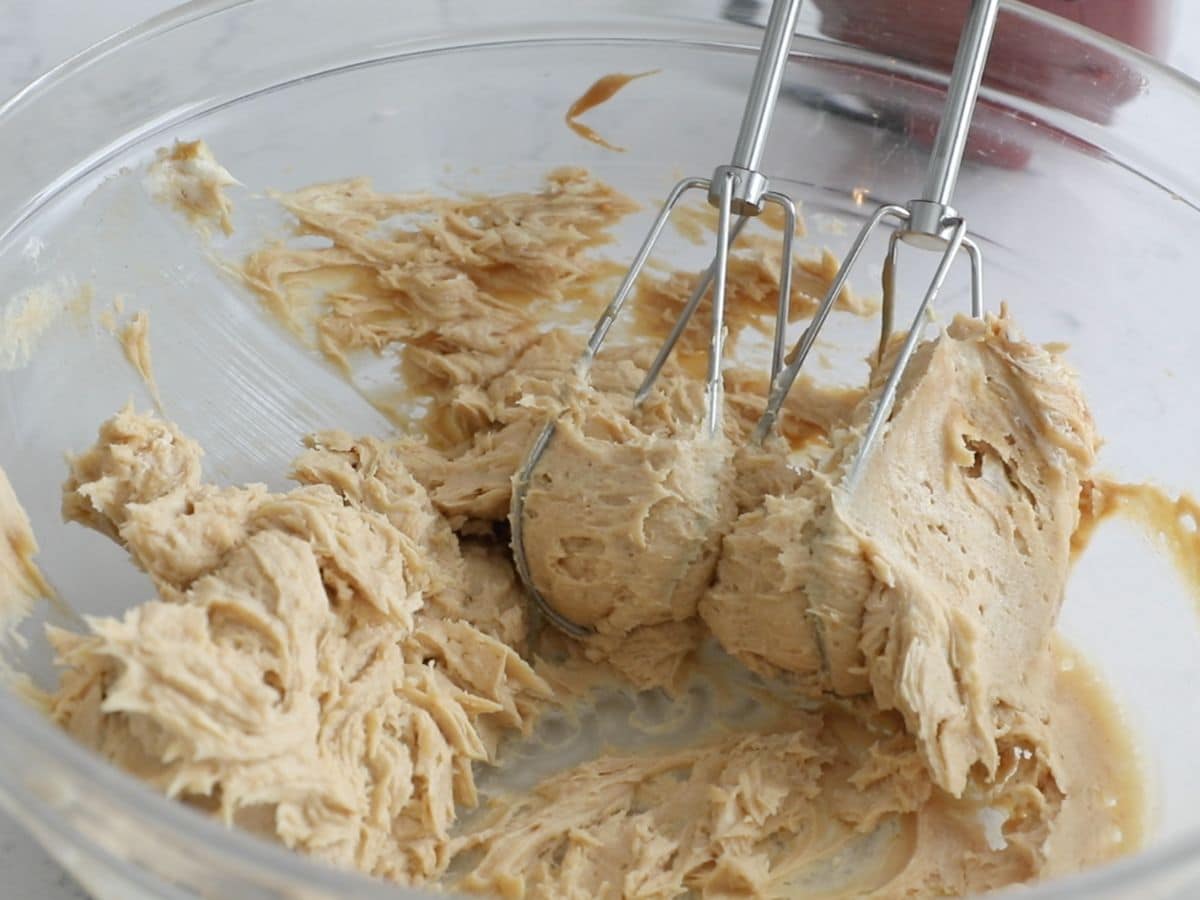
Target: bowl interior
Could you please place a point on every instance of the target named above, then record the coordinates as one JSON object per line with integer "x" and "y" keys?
{"x": 1091, "y": 241}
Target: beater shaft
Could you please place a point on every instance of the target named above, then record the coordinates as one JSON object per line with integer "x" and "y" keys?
{"x": 951, "y": 140}
{"x": 759, "y": 111}
{"x": 736, "y": 189}
{"x": 928, "y": 222}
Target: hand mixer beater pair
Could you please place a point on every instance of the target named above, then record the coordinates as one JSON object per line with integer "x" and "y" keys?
{"x": 740, "y": 189}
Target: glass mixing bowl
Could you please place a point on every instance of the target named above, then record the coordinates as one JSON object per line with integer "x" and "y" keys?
{"x": 1083, "y": 189}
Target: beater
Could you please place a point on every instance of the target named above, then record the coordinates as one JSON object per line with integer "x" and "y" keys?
{"x": 929, "y": 222}
{"x": 740, "y": 189}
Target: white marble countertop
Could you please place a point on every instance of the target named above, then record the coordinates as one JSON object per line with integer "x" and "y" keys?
{"x": 37, "y": 34}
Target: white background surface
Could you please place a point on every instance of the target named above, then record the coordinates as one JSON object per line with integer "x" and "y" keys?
{"x": 37, "y": 34}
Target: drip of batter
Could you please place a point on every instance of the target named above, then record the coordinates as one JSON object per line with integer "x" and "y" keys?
{"x": 601, "y": 91}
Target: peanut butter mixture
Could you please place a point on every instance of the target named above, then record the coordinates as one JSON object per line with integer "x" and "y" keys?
{"x": 341, "y": 665}
{"x": 934, "y": 585}
{"x": 21, "y": 581}
{"x": 314, "y": 666}
{"x": 135, "y": 344}
{"x": 188, "y": 177}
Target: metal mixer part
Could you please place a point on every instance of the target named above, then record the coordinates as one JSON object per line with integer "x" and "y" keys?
{"x": 738, "y": 188}
{"x": 928, "y": 222}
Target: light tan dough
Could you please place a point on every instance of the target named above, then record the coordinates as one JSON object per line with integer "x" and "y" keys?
{"x": 21, "y": 581}
{"x": 936, "y": 584}
{"x": 334, "y": 665}
{"x": 625, "y": 511}
{"x": 290, "y": 677}
{"x": 135, "y": 344}
{"x": 188, "y": 177}
{"x": 835, "y": 803}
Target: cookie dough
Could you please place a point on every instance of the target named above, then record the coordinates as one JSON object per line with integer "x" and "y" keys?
{"x": 934, "y": 584}
{"x": 626, "y": 509}
{"x": 21, "y": 581}
{"x": 831, "y": 803}
{"x": 319, "y": 665}
{"x": 134, "y": 338}
{"x": 188, "y": 177}
{"x": 338, "y": 666}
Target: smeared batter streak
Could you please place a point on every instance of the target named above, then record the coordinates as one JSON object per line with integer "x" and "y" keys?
{"x": 601, "y": 91}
